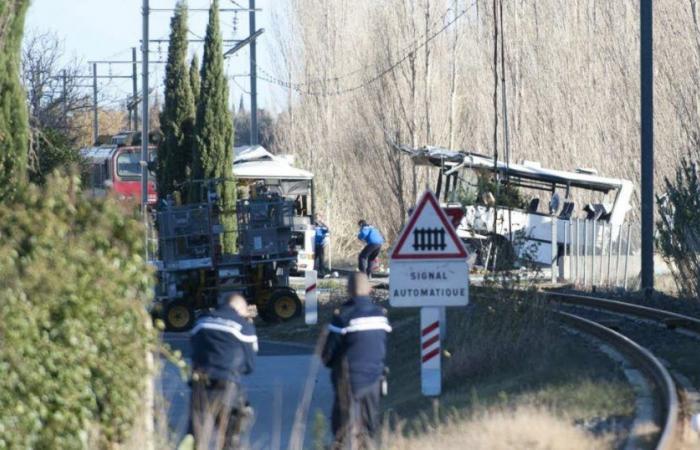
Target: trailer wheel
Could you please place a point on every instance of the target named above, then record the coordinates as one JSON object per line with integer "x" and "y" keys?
{"x": 283, "y": 305}
{"x": 178, "y": 315}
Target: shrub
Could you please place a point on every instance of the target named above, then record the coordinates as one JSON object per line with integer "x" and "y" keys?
{"x": 74, "y": 331}
{"x": 679, "y": 227}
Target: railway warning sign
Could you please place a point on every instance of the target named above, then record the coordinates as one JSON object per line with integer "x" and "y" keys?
{"x": 429, "y": 234}
{"x": 429, "y": 262}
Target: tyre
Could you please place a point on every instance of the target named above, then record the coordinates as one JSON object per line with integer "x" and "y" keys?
{"x": 283, "y": 305}
{"x": 178, "y": 315}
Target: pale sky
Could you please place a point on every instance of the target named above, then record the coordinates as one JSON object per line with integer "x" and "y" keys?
{"x": 108, "y": 29}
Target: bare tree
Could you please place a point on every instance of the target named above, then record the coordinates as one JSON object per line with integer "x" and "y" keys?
{"x": 365, "y": 73}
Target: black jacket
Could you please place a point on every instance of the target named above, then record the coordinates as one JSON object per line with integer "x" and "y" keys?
{"x": 223, "y": 345}
{"x": 357, "y": 334}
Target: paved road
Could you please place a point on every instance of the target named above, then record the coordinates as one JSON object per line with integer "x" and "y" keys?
{"x": 275, "y": 389}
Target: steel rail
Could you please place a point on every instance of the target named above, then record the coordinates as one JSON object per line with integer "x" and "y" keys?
{"x": 668, "y": 318}
{"x": 652, "y": 367}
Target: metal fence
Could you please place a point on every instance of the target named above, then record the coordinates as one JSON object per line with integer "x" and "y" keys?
{"x": 599, "y": 254}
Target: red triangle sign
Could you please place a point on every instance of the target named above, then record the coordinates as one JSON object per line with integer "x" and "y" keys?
{"x": 428, "y": 234}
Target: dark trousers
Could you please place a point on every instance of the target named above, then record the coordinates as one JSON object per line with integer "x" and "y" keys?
{"x": 370, "y": 252}
{"x": 356, "y": 416}
{"x": 219, "y": 414}
{"x": 322, "y": 260}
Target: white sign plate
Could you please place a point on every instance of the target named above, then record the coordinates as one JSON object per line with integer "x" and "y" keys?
{"x": 429, "y": 283}
{"x": 428, "y": 264}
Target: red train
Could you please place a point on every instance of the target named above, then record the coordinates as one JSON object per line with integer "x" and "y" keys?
{"x": 117, "y": 168}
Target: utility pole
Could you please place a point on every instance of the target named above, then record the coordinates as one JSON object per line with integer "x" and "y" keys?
{"x": 134, "y": 89}
{"x": 647, "y": 145}
{"x": 144, "y": 116}
{"x": 95, "y": 125}
{"x": 253, "y": 77}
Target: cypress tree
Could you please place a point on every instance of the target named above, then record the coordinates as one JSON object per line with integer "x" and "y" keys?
{"x": 194, "y": 78}
{"x": 213, "y": 146}
{"x": 14, "y": 125}
{"x": 177, "y": 118}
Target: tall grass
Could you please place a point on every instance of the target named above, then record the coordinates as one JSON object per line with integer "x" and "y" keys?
{"x": 501, "y": 331}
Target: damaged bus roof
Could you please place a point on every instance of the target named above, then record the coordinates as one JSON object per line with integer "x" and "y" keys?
{"x": 453, "y": 160}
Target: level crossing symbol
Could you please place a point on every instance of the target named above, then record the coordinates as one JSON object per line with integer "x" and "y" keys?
{"x": 428, "y": 235}
{"x": 429, "y": 239}
{"x": 429, "y": 269}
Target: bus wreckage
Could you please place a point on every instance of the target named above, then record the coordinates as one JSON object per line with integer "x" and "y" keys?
{"x": 507, "y": 213}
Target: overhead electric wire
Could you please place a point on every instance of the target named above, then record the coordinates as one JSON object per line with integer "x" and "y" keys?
{"x": 416, "y": 45}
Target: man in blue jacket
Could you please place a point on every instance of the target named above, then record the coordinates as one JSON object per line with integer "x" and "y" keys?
{"x": 373, "y": 240}
{"x": 355, "y": 351}
{"x": 322, "y": 243}
{"x": 224, "y": 345}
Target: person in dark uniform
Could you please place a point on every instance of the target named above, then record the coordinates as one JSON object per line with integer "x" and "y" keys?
{"x": 355, "y": 351}
{"x": 373, "y": 240}
{"x": 224, "y": 345}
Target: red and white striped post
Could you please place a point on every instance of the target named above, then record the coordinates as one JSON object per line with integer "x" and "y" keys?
{"x": 431, "y": 379}
{"x": 311, "y": 298}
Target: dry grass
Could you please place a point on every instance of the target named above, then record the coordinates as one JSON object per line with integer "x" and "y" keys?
{"x": 520, "y": 428}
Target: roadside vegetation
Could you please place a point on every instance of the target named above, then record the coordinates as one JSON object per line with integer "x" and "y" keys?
{"x": 505, "y": 358}
{"x": 75, "y": 336}
{"x": 74, "y": 329}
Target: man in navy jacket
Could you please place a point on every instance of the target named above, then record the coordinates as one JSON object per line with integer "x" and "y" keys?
{"x": 355, "y": 351}
{"x": 224, "y": 344}
{"x": 373, "y": 240}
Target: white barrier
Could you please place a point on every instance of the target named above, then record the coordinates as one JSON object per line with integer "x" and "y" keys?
{"x": 431, "y": 379}
{"x": 311, "y": 298}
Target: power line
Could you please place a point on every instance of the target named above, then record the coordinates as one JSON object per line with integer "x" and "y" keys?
{"x": 408, "y": 49}
{"x": 288, "y": 85}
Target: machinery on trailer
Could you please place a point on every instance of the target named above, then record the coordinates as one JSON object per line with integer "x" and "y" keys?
{"x": 510, "y": 209}
{"x": 254, "y": 165}
{"x": 195, "y": 273}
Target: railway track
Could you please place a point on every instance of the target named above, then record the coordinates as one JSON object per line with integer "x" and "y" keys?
{"x": 673, "y": 391}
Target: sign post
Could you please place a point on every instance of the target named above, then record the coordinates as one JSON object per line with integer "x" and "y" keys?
{"x": 430, "y": 370}
{"x": 429, "y": 270}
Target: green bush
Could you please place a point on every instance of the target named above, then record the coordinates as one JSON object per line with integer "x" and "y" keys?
{"x": 679, "y": 227}
{"x": 74, "y": 331}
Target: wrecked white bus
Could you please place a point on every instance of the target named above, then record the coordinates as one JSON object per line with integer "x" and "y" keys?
{"x": 510, "y": 209}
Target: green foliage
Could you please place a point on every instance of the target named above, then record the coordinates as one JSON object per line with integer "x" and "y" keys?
{"x": 195, "y": 81}
{"x": 213, "y": 155}
{"x": 73, "y": 324}
{"x": 53, "y": 150}
{"x": 177, "y": 118}
{"x": 679, "y": 227}
{"x": 14, "y": 128}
